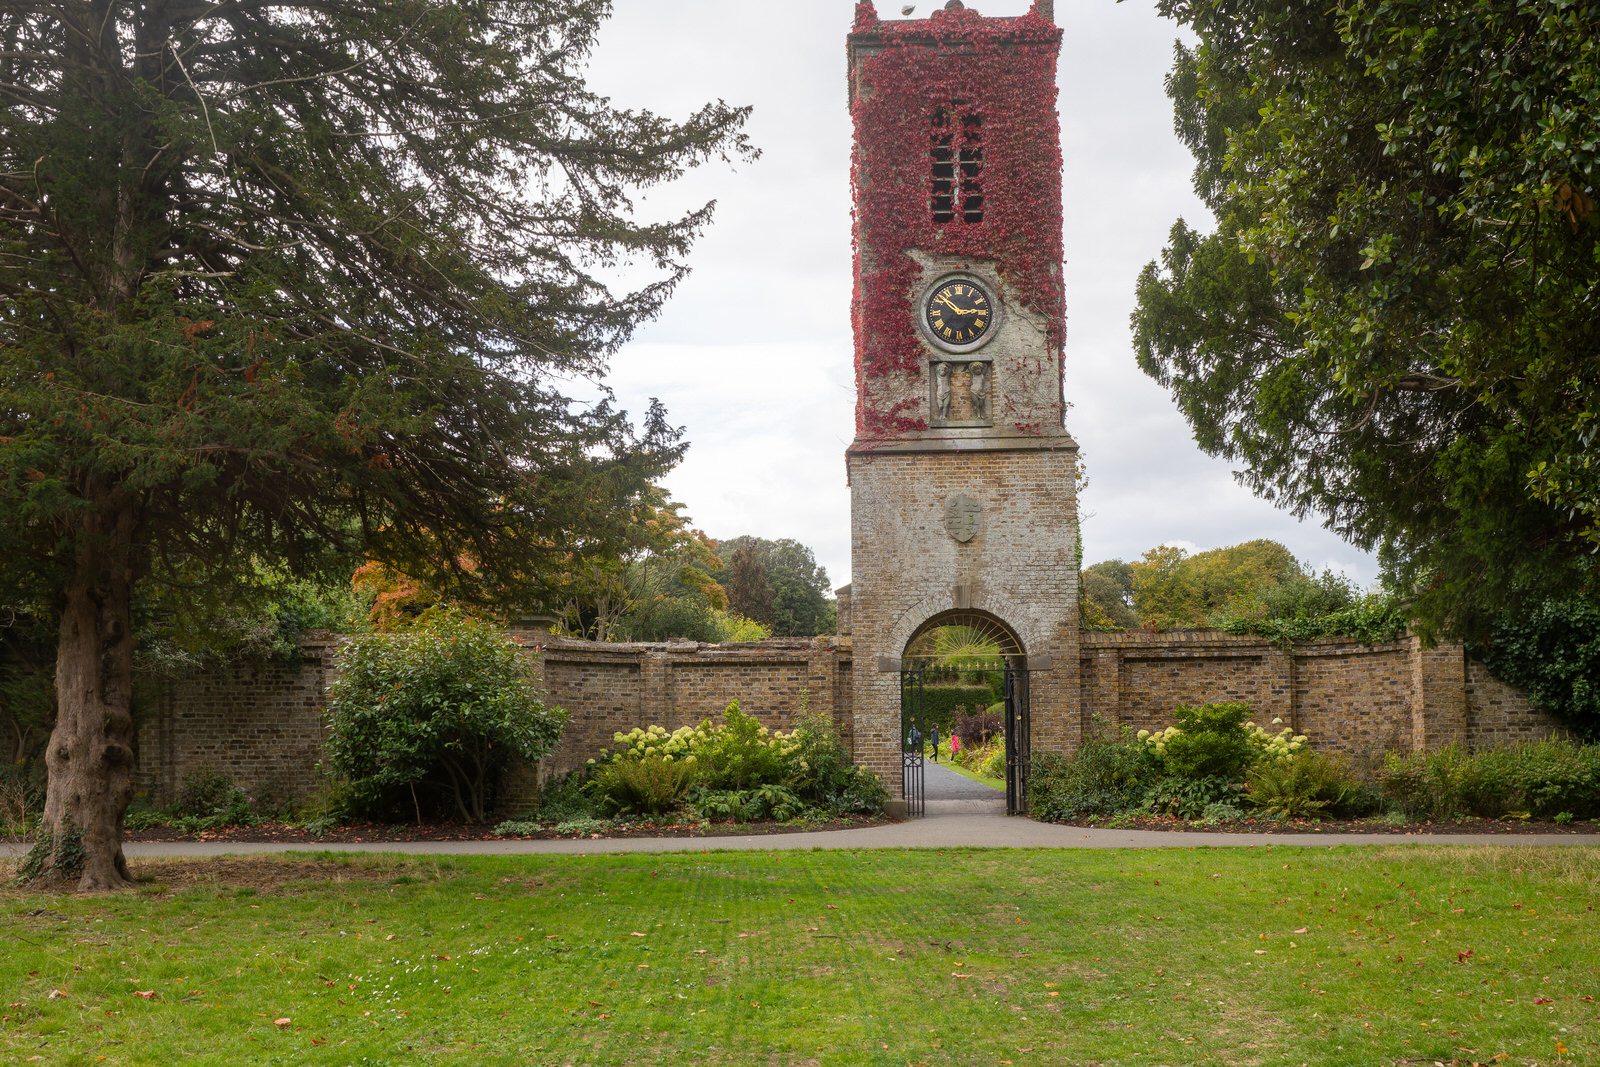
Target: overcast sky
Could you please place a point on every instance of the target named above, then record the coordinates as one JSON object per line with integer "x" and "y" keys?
{"x": 767, "y": 397}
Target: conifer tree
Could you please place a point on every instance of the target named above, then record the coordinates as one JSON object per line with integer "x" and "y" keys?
{"x": 280, "y": 280}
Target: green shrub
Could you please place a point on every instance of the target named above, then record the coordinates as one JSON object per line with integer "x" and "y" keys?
{"x": 1103, "y": 777}
{"x": 653, "y": 785}
{"x": 207, "y": 793}
{"x": 742, "y": 754}
{"x": 1544, "y": 778}
{"x": 1541, "y": 779}
{"x": 1188, "y": 798}
{"x": 1211, "y": 741}
{"x": 765, "y": 802}
{"x": 208, "y": 800}
{"x": 566, "y": 796}
{"x": 1308, "y": 784}
{"x": 441, "y": 710}
{"x": 1426, "y": 785}
{"x": 823, "y": 776}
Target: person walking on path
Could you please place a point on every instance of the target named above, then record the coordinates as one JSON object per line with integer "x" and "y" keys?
{"x": 936, "y": 742}
{"x": 955, "y": 746}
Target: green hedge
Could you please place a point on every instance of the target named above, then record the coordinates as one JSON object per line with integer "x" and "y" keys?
{"x": 940, "y": 703}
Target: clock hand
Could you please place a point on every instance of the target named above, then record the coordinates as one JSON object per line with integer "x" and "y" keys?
{"x": 945, "y": 300}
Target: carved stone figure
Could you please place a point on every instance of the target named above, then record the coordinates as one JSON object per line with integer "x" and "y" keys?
{"x": 941, "y": 390}
{"x": 980, "y": 391}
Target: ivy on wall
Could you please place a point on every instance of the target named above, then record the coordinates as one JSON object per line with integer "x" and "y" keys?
{"x": 959, "y": 64}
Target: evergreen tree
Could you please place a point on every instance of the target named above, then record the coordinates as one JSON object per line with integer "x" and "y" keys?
{"x": 283, "y": 280}
{"x": 779, "y": 584}
{"x": 1393, "y": 324}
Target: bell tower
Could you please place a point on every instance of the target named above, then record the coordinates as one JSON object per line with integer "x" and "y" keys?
{"x": 962, "y": 474}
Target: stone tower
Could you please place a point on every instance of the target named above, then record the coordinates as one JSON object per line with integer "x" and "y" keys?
{"x": 962, "y": 475}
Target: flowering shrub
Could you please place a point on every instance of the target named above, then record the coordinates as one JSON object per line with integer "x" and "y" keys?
{"x": 1277, "y": 747}
{"x": 1194, "y": 770}
{"x": 1209, "y": 741}
{"x": 739, "y": 770}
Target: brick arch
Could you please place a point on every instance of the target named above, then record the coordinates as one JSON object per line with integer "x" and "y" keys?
{"x": 1002, "y": 609}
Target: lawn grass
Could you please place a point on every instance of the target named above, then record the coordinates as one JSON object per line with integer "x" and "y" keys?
{"x": 1252, "y": 956}
{"x": 992, "y": 783}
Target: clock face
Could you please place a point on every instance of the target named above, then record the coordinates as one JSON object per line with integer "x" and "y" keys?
{"x": 958, "y": 313}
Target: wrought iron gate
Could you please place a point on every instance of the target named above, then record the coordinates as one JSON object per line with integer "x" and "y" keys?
{"x": 915, "y": 732}
{"x": 1019, "y": 741}
{"x": 913, "y": 728}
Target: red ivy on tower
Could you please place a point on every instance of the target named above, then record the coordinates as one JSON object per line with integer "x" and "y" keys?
{"x": 967, "y": 68}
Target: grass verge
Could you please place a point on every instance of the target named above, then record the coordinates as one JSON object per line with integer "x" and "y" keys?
{"x": 1255, "y": 956}
{"x": 992, "y": 783}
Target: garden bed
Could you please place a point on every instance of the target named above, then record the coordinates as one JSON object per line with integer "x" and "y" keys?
{"x": 381, "y": 833}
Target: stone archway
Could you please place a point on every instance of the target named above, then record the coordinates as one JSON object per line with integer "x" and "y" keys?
{"x": 964, "y": 642}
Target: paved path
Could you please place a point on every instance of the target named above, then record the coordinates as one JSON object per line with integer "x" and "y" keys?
{"x": 948, "y": 793}
{"x": 938, "y": 830}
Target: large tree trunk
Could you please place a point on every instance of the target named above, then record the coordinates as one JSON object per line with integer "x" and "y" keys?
{"x": 90, "y": 755}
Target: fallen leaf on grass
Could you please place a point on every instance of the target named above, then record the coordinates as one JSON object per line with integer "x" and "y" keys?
{"x": 1303, "y": 930}
{"x": 282, "y": 1022}
{"x": 147, "y": 994}
{"x": 1544, "y": 1000}
{"x": 954, "y": 974}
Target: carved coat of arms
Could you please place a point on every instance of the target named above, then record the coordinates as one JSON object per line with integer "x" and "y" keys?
{"x": 963, "y": 517}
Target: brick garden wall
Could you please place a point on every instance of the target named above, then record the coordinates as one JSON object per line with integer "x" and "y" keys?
{"x": 606, "y": 688}
{"x": 262, "y": 725}
{"x": 1342, "y": 695}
